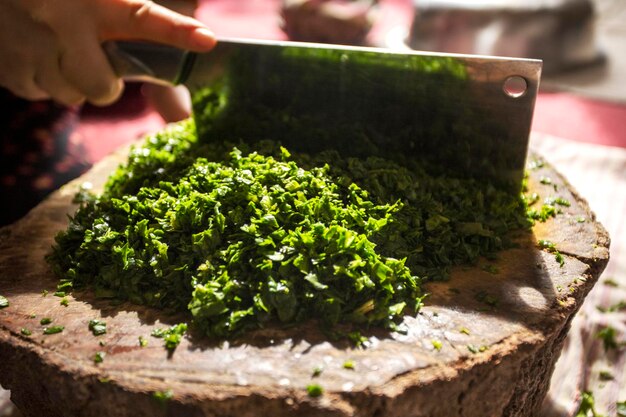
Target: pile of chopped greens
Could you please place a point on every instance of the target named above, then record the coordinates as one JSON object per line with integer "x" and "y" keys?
{"x": 243, "y": 235}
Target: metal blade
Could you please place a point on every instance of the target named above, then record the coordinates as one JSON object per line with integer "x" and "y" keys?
{"x": 460, "y": 114}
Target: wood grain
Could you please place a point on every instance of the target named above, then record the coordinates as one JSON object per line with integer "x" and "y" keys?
{"x": 517, "y": 319}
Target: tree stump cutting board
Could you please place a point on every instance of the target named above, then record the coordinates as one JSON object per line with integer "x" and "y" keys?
{"x": 484, "y": 345}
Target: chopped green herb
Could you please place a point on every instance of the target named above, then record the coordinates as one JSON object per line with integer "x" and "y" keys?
{"x": 45, "y": 320}
{"x": 314, "y": 390}
{"x": 171, "y": 336}
{"x": 348, "y": 364}
{"x": 358, "y": 339}
{"x": 559, "y": 258}
{"x": 606, "y": 376}
{"x": 437, "y": 344}
{"x": 621, "y": 408}
{"x": 545, "y": 180}
{"x": 610, "y": 282}
{"x": 246, "y": 235}
{"x": 317, "y": 371}
{"x": 3, "y": 302}
{"x": 32, "y": 316}
{"x": 587, "y": 406}
{"x": 99, "y": 357}
{"x": 44, "y": 293}
{"x": 53, "y": 329}
{"x": 104, "y": 380}
{"x": 551, "y": 201}
{"x": 619, "y": 306}
{"x": 551, "y": 247}
{"x": 608, "y": 337}
{"x": 25, "y": 331}
{"x": 143, "y": 342}
{"x": 60, "y": 294}
{"x": 580, "y": 219}
{"x": 464, "y": 330}
{"x": 163, "y": 396}
{"x": 64, "y": 302}
{"x": 536, "y": 164}
{"x": 487, "y": 298}
{"x": 472, "y": 348}
{"x": 492, "y": 269}
{"x": 97, "y": 327}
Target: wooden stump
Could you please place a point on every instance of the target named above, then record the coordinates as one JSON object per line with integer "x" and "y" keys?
{"x": 500, "y": 332}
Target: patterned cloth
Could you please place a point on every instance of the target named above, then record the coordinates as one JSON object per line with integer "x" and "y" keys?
{"x": 598, "y": 173}
{"x": 39, "y": 152}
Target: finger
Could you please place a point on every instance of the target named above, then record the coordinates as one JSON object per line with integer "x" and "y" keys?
{"x": 172, "y": 103}
{"x": 50, "y": 79}
{"x": 145, "y": 20}
{"x": 84, "y": 65}
{"x": 28, "y": 90}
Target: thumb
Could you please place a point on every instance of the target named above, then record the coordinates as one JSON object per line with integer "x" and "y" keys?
{"x": 145, "y": 20}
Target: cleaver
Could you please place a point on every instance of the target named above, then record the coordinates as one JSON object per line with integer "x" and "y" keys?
{"x": 462, "y": 115}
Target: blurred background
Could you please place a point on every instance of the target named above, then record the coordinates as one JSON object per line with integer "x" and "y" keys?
{"x": 579, "y": 124}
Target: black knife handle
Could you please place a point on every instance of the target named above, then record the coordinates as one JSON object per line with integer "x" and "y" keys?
{"x": 144, "y": 61}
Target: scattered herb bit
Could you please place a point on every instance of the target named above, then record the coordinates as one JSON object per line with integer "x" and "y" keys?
{"x": 608, "y": 337}
{"x": 492, "y": 269}
{"x": 44, "y": 293}
{"x": 536, "y": 164}
{"x": 3, "y": 302}
{"x": 64, "y": 302}
{"x": 545, "y": 180}
{"x": 171, "y": 336}
{"x": 348, "y": 364}
{"x": 551, "y": 247}
{"x": 610, "y": 282}
{"x": 587, "y": 405}
{"x": 580, "y": 219}
{"x": 104, "y": 379}
{"x": 317, "y": 371}
{"x": 32, "y": 316}
{"x": 53, "y": 329}
{"x": 464, "y": 330}
{"x": 143, "y": 342}
{"x": 102, "y": 343}
{"x": 45, "y": 320}
{"x": 163, "y": 396}
{"x": 97, "y": 327}
{"x": 619, "y": 306}
{"x": 606, "y": 376}
{"x": 546, "y": 212}
{"x": 437, "y": 344}
{"x": 358, "y": 339}
{"x": 551, "y": 201}
{"x": 483, "y": 348}
{"x": 559, "y": 288}
{"x": 314, "y": 390}
{"x": 559, "y": 258}
{"x": 621, "y": 408}
{"x": 99, "y": 357}
{"x": 25, "y": 331}
{"x": 472, "y": 348}
{"x": 487, "y": 298}
{"x": 60, "y": 294}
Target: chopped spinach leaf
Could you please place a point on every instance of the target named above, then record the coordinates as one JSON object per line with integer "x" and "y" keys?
{"x": 3, "y": 302}
{"x": 97, "y": 327}
{"x": 53, "y": 329}
{"x": 314, "y": 390}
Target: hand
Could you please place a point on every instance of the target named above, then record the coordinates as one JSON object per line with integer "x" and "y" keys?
{"x": 52, "y": 48}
